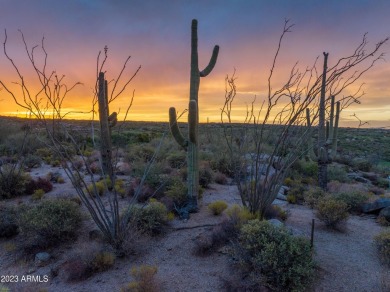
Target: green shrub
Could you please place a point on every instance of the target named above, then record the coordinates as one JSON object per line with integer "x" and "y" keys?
{"x": 338, "y": 173}
{"x": 312, "y": 195}
{"x": 220, "y": 178}
{"x": 239, "y": 215}
{"x": 8, "y": 222}
{"x": 382, "y": 241}
{"x": 275, "y": 258}
{"x": 217, "y": 207}
{"x": 307, "y": 168}
{"x": 275, "y": 211}
{"x": 152, "y": 218}
{"x": 177, "y": 191}
{"x": 354, "y": 200}
{"x": 332, "y": 212}
{"x": 176, "y": 159}
{"x": 32, "y": 161}
{"x": 205, "y": 175}
{"x": 362, "y": 164}
{"x": 102, "y": 261}
{"x": 295, "y": 193}
{"x": 50, "y": 222}
{"x": 12, "y": 182}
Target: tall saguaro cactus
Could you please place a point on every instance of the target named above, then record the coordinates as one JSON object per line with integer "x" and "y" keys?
{"x": 106, "y": 122}
{"x": 191, "y": 143}
{"x": 322, "y": 148}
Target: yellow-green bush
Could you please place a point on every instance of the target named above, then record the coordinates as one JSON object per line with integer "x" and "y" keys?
{"x": 382, "y": 241}
{"x": 354, "y": 200}
{"x": 38, "y": 194}
{"x": 273, "y": 257}
{"x": 102, "y": 261}
{"x": 332, "y": 212}
{"x": 50, "y": 222}
{"x": 239, "y": 215}
{"x": 144, "y": 280}
{"x": 312, "y": 195}
{"x": 217, "y": 207}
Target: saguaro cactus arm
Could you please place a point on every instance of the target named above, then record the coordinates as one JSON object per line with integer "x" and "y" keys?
{"x": 206, "y": 71}
{"x": 175, "y": 129}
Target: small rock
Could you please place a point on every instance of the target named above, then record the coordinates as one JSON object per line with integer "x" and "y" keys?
{"x": 42, "y": 258}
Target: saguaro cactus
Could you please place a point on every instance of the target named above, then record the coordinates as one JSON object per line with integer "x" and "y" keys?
{"x": 191, "y": 143}
{"x": 106, "y": 122}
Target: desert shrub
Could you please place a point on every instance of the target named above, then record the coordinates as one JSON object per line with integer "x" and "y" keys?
{"x": 362, "y": 164}
{"x": 312, "y": 195}
{"x": 338, "y": 173}
{"x": 150, "y": 219}
{"x": 32, "y": 185}
{"x": 239, "y": 215}
{"x": 205, "y": 175}
{"x": 295, "y": 193}
{"x": 177, "y": 191}
{"x": 382, "y": 182}
{"x": 144, "y": 280}
{"x": 217, "y": 207}
{"x": 275, "y": 211}
{"x": 220, "y": 178}
{"x": 331, "y": 211}
{"x": 8, "y": 222}
{"x": 12, "y": 182}
{"x": 306, "y": 168}
{"x": 354, "y": 200}
{"x": 223, "y": 164}
{"x": 273, "y": 257}
{"x": 142, "y": 152}
{"x": 38, "y": 194}
{"x": 50, "y": 222}
{"x": 102, "y": 261}
{"x": 176, "y": 159}
{"x": 32, "y": 161}
{"x": 382, "y": 241}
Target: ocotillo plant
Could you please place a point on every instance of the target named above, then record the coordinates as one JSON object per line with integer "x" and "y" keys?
{"x": 106, "y": 122}
{"x": 191, "y": 144}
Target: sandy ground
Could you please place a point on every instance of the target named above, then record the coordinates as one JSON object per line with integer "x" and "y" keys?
{"x": 347, "y": 261}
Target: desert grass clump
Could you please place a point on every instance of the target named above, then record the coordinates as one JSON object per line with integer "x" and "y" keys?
{"x": 217, "y": 207}
{"x": 272, "y": 257}
{"x": 50, "y": 223}
{"x": 382, "y": 241}
{"x": 332, "y": 212}
{"x": 144, "y": 280}
{"x": 239, "y": 215}
{"x": 275, "y": 211}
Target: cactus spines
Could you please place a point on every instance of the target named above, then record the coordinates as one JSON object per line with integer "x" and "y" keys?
{"x": 106, "y": 122}
{"x": 191, "y": 144}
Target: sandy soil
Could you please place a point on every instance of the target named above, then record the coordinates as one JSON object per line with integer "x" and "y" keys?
{"x": 347, "y": 261}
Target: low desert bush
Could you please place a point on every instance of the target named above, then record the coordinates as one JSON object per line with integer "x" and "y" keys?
{"x": 220, "y": 178}
{"x": 312, "y": 195}
{"x": 217, "y": 207}
{"x": 144, "y": 280}
{"x": 332, "y": 211}
{"x": 150, "y": 219}
{"x": 38, "y": 194}
{"x": 50, "y": 222}
{"x": 239, "y": 215}
{"x": 273, "y": 257}
{"x": 32, "y": 161}
{"x": 275, "y": 211}
{"x": 12, "y": 182}
{"x": 382, "y": 241}
{"x": 177, "y": 191}
{"x": 362, "y": 164}
{"x": 8, "y": 222}
{"x": 205, "y": 175}
{"x": 354, "y": 200}
{"x": 176, "y": 159}
{"x": 33, "y": 185}
{"x": 337, "y": 172}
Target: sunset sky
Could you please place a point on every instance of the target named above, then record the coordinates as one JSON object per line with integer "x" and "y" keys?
{"x": 156, "y": 34}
